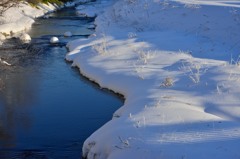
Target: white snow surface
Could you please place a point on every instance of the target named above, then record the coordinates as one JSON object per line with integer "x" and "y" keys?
{"x": 21, "y": 18}
{"x": 25, "y": 38}
{"x": 92, "y": 9}
{"x": 54, "y": 40}
{"x": 177, "y": 64}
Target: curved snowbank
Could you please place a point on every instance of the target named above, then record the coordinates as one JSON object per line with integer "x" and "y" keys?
{"x": 177, "y": 64}
{"x": 21, "y": 18}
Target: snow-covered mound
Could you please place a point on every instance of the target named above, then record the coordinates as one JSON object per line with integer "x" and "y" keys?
{"x": 54, "y": 40}
{"x": 177, "y": 64}
{"x": 25, "y": 38}
{"x": 20, "y": 18}
{"x": 68, "y": 34}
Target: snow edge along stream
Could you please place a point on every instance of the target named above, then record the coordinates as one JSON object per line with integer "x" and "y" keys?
{"x": 182, "y": 94}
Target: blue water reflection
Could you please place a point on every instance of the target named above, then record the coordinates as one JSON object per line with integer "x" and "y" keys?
{"x": 47, "y": 109}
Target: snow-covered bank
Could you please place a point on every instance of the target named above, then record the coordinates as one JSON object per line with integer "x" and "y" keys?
{"x": 177, "y": 64}
{"x": 21, "y": 18}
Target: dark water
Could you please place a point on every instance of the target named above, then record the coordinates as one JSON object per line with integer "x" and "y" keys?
{"x": 47, "y": 109}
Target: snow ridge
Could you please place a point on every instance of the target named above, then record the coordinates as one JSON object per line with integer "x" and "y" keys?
{"x": 177, "y": 64}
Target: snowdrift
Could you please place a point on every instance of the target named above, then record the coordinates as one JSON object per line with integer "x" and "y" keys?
{"x": 177, "y": 64}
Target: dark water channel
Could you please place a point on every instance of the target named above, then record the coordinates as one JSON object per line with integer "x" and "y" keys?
{"x": 47, "y": 109}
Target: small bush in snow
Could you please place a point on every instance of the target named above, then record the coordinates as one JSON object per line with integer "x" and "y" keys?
{"x": 193, "y": 70}
{"x": 168, "y": 82}
{"x": 132, "y": 35}
{"x": 145, "y": 56}
{"x": 139, "y": 70}
{"x": 101, "y": 47}
{"x": 235, "y": 61}
{"x": 195, "y": 73}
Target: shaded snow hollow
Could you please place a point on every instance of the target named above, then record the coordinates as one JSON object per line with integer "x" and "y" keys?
{"x": 177, "y": 64}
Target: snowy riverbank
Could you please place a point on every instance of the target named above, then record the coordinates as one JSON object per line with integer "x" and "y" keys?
{"x": 177, "y": 64}
{"x": 19, "y": 19}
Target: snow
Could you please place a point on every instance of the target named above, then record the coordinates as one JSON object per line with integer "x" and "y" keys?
{"x": 25, "y": 38}
{"x": 54, "y": 40}
{"x": 90, "y": 10}
{"x": 177, "y": 64}
{"x": 19, "y": 19}
{"x": 67, "y": 34}
{"x": 4, "y": 62}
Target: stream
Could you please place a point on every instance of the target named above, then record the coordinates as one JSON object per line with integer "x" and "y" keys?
{"x": 47, "y": 109}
